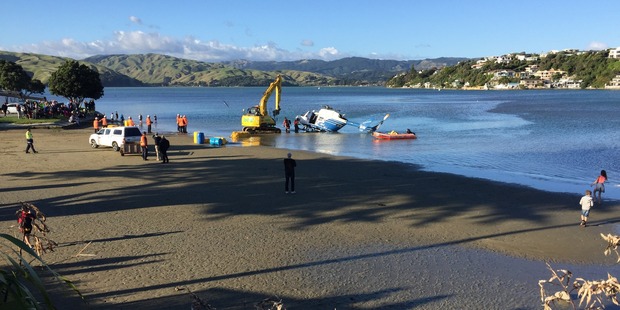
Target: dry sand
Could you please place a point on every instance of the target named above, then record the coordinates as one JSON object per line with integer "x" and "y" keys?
{"x": 358, "y": 234}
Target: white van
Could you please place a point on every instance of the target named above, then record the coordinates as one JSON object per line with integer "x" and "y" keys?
{"x": 11, "y": 108}
{"x": 115, "y": 137}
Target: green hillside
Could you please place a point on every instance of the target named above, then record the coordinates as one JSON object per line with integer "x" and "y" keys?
{"x": 41, "y": 68}
{"x": 560, "y": 69}
{"x": 155, "y": 69}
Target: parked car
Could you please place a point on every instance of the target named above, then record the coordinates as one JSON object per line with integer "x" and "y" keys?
{"x": 12, "y": 108}
{"x": 115, "y": 137}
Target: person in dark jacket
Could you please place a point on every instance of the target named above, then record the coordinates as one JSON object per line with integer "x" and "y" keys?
{"x": 157, "y": 140}
{"x": 164, "y": 144}
{"x": 289, "y": 173}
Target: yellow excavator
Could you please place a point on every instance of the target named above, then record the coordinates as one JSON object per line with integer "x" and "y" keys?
{"x": 256, "y": 119}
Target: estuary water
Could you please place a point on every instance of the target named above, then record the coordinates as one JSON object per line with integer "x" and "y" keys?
{"x": 555, "y": 140}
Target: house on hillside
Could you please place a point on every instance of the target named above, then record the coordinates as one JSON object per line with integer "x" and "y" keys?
{"x": 614, "y": 53}
{"x": 531, "y": 83}
{"x": 504, "y": 73}
{"x": 548, "y": 74}
{"x": 614, "y": 83}
{"x": 567, "y": 83}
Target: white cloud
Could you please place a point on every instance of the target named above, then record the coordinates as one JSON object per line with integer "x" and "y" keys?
{"x": 597, "y": 46}
{"x": 135, "y": 20}
{"x": 139, "y": 42}
{"x": 307, "y": 43}
{"x": 329, "y": 53}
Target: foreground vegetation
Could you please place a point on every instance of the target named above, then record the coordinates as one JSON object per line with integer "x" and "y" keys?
{"x": 591, "y": 294}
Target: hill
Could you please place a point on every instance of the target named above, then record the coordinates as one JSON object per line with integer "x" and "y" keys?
{"x": 351, "y": 70}
{"x": 556, "y": 69}
{"x": 41, "y": 68}
{"x": 163, "y": 70}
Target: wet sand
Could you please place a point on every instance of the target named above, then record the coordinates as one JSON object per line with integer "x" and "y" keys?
{"x": 358, "y": 234}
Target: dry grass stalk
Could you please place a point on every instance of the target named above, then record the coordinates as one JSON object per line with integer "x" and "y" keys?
{"x": 561, "y": 278}
{"x": 271, "y": 303}
{"x": 590, "y": 293}
{"x": 612, "y": 245}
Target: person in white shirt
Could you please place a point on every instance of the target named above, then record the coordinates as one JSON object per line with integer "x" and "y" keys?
{"x": 586, "y": 203}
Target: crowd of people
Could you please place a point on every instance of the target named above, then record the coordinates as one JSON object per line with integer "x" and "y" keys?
{"x": 37, "y": 109}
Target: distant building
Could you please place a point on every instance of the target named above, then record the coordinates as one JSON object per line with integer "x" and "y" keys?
{"x": 614, "y": 83}
{"x": 531, "y": 83}
{"x": 548, "y": 74}
{"x": 614, "y": 53}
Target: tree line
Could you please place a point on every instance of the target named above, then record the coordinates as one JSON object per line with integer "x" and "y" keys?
{"x": 72, "y": 80}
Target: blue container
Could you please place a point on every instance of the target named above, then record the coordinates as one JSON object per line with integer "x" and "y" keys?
{"x": 200, "y": 138}
{"x": 216, "y": 141}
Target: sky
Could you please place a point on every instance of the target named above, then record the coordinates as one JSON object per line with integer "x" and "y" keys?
{"x": 286, "y": 30}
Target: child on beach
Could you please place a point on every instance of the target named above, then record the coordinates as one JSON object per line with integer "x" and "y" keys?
{"x": 599, "y": 185}
{"x": 586, "y": 203}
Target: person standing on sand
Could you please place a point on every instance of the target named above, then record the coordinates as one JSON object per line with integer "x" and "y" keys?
{"x": 599, "y": 185}
{"x": 586, "y": 204}
{"x": 164, "y": 144}
{"x": 25, "y": 219}
{"x": 144, "y": 145}
{"x": 96, "y": 124}
{"x": 156, "y": 141}
{"x": 289, "y": 173}
{"x": 287, "y": 124}
{"x": 104, "y": 122}
{"x": 29, "y": 142}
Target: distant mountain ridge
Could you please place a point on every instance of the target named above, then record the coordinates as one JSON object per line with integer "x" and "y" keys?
{"x": 350, "y": 70}
{"x": 164, "y": 70}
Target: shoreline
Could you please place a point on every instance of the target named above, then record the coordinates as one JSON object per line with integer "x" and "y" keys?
{"x": 216, "y": 220}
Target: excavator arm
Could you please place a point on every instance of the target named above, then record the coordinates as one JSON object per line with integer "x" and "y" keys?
{"x": 277, "y": 86}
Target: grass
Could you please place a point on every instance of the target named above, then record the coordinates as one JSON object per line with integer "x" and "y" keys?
{"x": 27, "y": 121}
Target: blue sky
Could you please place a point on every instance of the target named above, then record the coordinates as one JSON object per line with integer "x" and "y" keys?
{"x": 291, "y": 30}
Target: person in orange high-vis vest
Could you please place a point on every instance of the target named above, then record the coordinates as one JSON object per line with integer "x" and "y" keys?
{"x": 179, "y": 123}
{"x": 144, "y": 145}
{"x": 96, "y": 124}
{"x": 148, "y": 124}
{"x": 130, "y": 122}
{"x": 184, "y": 122}
{"x": 104, "y": 122}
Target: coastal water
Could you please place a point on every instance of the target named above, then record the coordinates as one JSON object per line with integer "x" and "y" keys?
{"x": 555, "y": 140}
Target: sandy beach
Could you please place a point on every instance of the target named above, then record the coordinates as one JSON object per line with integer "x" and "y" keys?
{"x": 358, "y": 234}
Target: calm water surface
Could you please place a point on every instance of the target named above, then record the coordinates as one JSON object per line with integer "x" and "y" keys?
{"x": 549, "y": 139}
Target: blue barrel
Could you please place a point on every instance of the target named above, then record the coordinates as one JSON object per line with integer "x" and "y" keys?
{"x": 216, "y": 141}
{"x": 200, "y": 138}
